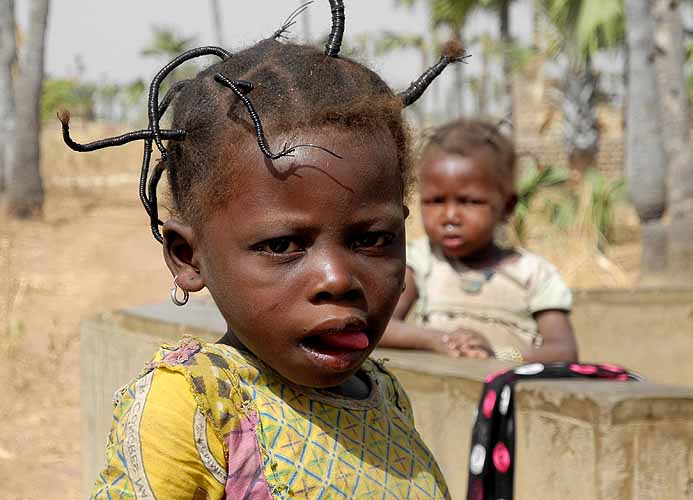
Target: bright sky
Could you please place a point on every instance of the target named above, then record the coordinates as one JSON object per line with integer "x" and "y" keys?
{"x": 109, "y": 35}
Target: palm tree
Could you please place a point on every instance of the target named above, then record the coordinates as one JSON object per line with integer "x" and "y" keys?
{"x": 582, "y": 27}
{"x": 166, "y": 43}
{"x": 8, "y": 55}
{"x": 675, "y": 113}
{"x": 645, "y": 160}
{"x": 502, "y": 7}
{"x": 25, "y": 190}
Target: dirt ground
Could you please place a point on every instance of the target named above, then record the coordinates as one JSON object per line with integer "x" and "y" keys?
{"x": 91, "y": 252}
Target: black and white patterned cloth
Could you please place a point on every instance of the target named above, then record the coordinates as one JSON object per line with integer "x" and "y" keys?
{"x": 491, "y": 462}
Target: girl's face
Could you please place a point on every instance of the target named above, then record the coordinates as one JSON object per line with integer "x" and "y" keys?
{"x": 306, "y": 261}
{"x": 461, "y": 202}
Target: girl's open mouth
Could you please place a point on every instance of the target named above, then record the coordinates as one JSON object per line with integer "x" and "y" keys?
{"x": 339, "y": 350}
{"x": 340, "y": 341}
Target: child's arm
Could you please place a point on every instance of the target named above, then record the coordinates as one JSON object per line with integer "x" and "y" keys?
{"x": 402, "y": 335}
{"x": 559, "y": 340}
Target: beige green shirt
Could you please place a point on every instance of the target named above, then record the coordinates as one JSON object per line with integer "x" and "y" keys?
{"x": 499, "y": 304}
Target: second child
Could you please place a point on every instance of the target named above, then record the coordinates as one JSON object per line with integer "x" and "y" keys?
{"x": 468, "y": 296}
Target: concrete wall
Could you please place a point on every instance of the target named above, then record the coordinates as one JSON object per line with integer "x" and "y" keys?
{"x": 647, "y": 330}
{"x": 603, "y": 440}
{"x": 575, "y": 439}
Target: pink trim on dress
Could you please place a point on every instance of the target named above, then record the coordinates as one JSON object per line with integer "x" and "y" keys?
{"x": 246, "y": 478}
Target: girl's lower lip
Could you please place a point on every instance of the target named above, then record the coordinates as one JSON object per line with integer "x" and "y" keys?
{"x": 337, "y": 351}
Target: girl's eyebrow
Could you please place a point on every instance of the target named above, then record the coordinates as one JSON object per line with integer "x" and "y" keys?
{"x": 389, "y": 219}
{"x": 381, "y": 215}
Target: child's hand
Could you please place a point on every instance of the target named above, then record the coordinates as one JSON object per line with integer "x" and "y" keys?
{"x": 471, "y": 344}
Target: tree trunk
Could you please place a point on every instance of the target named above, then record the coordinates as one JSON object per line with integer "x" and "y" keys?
{"x": 675, "y": 122}
{"x": 305, "y": 25}
{"x": 506, "y": 41}
{"x": 459, "y": 89}
{"x": 26, "y": 188}
{"x": 645, "y": 160}
{"x": 217, "y": 22}
{"x": 8, "y": 56}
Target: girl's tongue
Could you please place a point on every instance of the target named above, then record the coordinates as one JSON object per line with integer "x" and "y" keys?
{"x": 347, "y": 341}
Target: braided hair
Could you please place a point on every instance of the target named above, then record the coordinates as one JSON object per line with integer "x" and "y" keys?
{"x": 270, "y": 88}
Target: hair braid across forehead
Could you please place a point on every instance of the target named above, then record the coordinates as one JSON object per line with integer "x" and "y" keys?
{"x": 285, "y": 86}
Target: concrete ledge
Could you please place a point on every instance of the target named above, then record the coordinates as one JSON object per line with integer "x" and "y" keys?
{"x": 575, "y": 439}
{"x": 648, "y": 330}
{"x": 603, "y": 441}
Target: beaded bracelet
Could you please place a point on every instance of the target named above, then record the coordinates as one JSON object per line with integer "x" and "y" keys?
{"x": 508, "y": 354}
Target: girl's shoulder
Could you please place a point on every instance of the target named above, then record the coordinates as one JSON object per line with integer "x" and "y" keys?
{"x": 211, "y": 373}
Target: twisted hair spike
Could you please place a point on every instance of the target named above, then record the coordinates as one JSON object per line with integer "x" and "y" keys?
{"x": 119, "y": 140}
{"x": 453, "y": 52}
{"x": 144, "y": 174}
{"x": 154, "y": 220}
{"x": 290, "y": 21}
{"x": 287, "y": 150}
{"x": 153, "y": 100}
{"x": 334, "y": 42}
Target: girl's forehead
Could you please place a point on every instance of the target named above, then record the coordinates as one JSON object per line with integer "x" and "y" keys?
{"x": 355, "y": 158}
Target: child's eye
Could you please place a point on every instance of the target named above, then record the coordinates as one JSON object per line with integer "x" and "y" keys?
{"x": 437, "y": 200}
{"x": 373, "y": 240}
{"x": 471, "y": 201}
{"x": 278, "y": 246}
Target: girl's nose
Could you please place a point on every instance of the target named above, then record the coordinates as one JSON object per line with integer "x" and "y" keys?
{"x": 334, "y": 279}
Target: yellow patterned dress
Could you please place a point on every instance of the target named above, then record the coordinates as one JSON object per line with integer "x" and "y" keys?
{"x": 206, "y": 421}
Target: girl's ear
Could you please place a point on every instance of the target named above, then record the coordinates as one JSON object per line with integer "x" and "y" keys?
{"x": 180, "y": 255}
{"x": 509, "y": 209}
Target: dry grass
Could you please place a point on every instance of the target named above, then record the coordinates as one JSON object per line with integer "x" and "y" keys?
{"x": 83, "y": 257}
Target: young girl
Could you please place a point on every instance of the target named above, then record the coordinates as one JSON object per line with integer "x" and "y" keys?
{"x": 302, "y": 248}
{"x": 467, "y": 295}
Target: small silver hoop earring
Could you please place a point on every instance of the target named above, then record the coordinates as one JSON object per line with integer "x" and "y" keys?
{"x": 174, "y": 294}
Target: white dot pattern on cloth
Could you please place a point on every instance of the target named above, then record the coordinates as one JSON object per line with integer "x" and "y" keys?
{"x": 477, "y": 459}
{"x": 530, "y": 369}
{"x": 504, "y": 400}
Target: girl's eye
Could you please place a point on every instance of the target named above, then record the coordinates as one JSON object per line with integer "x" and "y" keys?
{"x": 278, "y": 246}
{"x": 374, "y": 240}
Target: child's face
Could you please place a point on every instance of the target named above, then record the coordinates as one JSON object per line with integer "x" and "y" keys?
{"x": 461, "y": 202}
{"x": 306, "y": 263}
